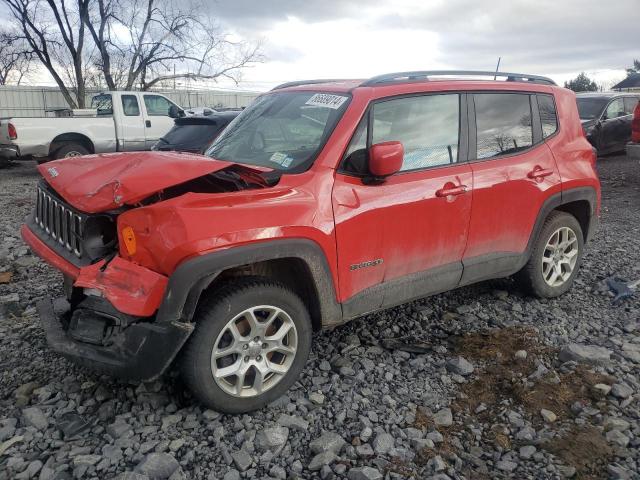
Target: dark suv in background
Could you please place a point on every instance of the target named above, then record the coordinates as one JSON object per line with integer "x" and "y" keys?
{"x": 606, "y": 119}
{"x": 194, "y": 134}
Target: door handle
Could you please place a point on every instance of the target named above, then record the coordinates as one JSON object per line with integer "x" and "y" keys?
{"x": 449, "y": 191}
{"x": 147, "y": 123}
{"x": 539, "y": 172}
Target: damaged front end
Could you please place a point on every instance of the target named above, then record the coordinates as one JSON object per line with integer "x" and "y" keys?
{"x": 109, "y": 318}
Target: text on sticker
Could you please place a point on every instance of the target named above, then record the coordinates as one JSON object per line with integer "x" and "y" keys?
{"x": 326, "y": 100}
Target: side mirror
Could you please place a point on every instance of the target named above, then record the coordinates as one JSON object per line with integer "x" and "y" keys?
{"x": 385, "y": 159}
{"x": 175, "y": 112}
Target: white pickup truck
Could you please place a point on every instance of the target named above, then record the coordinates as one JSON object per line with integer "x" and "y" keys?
{"x": 116, "y": 122}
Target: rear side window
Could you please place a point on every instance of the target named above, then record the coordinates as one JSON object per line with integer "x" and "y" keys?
{"x": 130, "y": 105}
{"x": 548, "y": 117}
{"x": 103, "y": 104}
{"x": 503, "y": 124}
{"x": 630, "y": 104}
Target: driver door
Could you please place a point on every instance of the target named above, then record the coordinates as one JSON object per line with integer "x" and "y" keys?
{"x": 404, "y": 238}
{"x": 156, "y": 117}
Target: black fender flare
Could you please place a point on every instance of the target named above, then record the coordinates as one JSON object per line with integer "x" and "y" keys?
{"x": 564, "y": 197}
{"x": 192, "y": 276}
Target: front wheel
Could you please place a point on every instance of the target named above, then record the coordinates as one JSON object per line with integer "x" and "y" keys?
{"x": 250, "y": 344}
{"x": 555, "y": 258}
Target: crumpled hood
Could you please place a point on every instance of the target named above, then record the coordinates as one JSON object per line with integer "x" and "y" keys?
{"x": 97, "y": 183}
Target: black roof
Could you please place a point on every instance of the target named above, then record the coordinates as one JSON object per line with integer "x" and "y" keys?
{"x": 212, "y": 119}
{"x": 632, "y": 81}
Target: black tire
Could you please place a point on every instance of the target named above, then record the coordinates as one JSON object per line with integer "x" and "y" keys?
{"x": 531, "y": 277}
{"x": 211, "y": 320}
{"x": 70, "y": 150}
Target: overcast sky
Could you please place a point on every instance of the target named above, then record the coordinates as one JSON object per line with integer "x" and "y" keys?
{"x": 357, "y": 39}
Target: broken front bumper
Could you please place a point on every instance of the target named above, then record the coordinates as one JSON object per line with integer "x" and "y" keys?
{"x": 98, "y": 339}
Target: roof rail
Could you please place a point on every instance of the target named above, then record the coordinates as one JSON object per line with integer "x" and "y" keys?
{"x": 297, "y": 83}
{"x": 424, "y": 75}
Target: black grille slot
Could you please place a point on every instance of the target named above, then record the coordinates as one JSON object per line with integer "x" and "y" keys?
{"x": 59, "y": 222}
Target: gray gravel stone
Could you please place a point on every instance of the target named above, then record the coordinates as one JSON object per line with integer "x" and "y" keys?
{"x": 321, "y": 459}
{"x": 383, "y": 443}
{"x": 34, "y": 417}
{"x": 444, "y": 418}
{"x": 293, "y": 422}
{"x": 242, "y": 460}
{"x": 364, "y": 473}
{"x": 585, "y": 353}
{"x": 158, "y": 466}
{"x": 328, "y": 441}
{"x": 272, "y": 438}
{"x": 460, "y": 366}
{"x": 621, "y": 390}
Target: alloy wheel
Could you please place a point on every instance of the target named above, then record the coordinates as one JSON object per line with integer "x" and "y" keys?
{"x": 560, "y": 256}
{"x": 254, "y": 351}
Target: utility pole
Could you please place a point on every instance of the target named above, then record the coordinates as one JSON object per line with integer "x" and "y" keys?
{"x": 497, "y": 67}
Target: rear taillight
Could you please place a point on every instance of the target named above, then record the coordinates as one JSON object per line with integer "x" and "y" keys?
{"x": 13, "y": 133}
{"x": 635, "y": 125}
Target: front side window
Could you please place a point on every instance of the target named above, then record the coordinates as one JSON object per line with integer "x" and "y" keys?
{"x": 283, "y": 130}
{"x": 103, "y": 104}
{"x": 130, "y": 105}
{"x": 427, "y": 126}
{"x": 548, "y": 117}
{"x": 615, "y": 109}
{"x": 503, "y": 123}
{"x": 630, "y": 104}
{"x": 157, "y": 105}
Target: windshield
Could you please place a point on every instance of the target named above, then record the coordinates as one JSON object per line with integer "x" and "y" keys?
{"x": 284, "y": 131}
{"x": 590, "y": 108}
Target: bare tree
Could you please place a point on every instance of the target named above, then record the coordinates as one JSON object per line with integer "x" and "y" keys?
{"x": 15, "y": 57}
{"x": 164, "y": 41}
{"x": 55, "y": 33}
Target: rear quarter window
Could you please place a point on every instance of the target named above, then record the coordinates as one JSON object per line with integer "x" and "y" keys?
{"x": 548, "y": 115}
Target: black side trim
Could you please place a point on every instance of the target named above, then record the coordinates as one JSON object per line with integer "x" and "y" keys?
{"x": 194, "y": 275}
{"x": 403, "y": 290}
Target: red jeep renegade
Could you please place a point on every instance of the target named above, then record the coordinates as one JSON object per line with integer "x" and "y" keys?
{"x": 321, "y": 202}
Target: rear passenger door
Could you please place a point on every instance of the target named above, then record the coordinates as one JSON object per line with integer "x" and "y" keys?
{"x": 514, "y": 172}
{"x": 404, "y": 238}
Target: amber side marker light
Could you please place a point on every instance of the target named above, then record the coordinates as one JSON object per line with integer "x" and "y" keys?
{"x": 129, "y": 239}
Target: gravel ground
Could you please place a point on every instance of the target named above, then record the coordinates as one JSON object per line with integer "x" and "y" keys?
{"x": 477, "y": 383}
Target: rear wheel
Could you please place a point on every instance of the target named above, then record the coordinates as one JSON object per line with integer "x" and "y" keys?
{"x": 70, "y": 150}
{"x": 555, "y": 258}
{"x": 250, "y": 343}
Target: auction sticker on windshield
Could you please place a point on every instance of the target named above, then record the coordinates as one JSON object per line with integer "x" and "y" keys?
{"x": 326, "y": 100}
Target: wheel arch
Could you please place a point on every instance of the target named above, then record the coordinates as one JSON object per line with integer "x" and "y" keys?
{"x": 71, "y": 137}
{"x": 581, "y": 202}
{"x": 299, "y": 264}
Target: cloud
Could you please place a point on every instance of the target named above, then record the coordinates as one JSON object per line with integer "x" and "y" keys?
{"x": 545, "y": 35}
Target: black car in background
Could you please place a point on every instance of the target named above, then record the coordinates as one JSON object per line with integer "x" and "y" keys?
{"x": 195, "y": 133}
{"x": 606, "y": 118}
